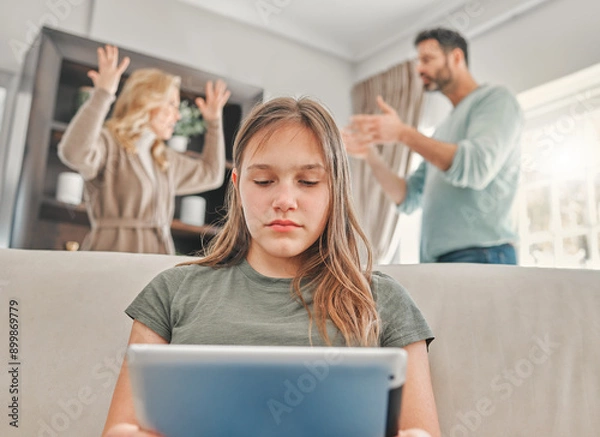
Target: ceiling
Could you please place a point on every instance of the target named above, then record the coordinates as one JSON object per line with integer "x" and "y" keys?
{"x": 350, "y": 29}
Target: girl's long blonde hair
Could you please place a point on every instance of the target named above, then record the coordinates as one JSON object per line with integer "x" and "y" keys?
{"x": 331, "y": 266}
{"x": 145, "y": 90}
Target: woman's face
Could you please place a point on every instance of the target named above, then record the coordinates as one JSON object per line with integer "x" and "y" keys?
{"x": 284, "y": 189}
{"x": 163, "y": 118}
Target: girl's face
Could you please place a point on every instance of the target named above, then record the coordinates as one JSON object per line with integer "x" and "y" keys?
{"x": 284, "y": 189}
{"x": 164, "y": 118}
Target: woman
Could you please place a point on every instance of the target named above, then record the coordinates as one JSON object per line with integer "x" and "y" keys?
{"x": 131, "y": 177}
{"x": 288, "y": 254}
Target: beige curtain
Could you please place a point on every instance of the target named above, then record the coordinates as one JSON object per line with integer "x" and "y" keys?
{"x": 400, "y": 87}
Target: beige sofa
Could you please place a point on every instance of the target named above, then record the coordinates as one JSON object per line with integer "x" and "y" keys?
{"x": 517, "y": 351}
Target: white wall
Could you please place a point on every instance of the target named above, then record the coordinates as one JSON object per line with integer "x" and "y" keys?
{"x": 21, "y": 20}
{"x": 181, "y": 33}
{"x": 555, "y": 40}
{"x": 552, "y": 40}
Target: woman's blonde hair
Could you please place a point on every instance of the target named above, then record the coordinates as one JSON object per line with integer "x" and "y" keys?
{"x": 145, "y": 90}
{"x": 331, "y": 266}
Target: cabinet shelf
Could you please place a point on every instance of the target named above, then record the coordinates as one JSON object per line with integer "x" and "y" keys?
{"x": 59, "y": 126}
{"x": 181, "y": 229}
{"x": 55, "y": 210}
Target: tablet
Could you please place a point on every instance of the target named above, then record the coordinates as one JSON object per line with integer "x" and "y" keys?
{"x": 266, "y": 391}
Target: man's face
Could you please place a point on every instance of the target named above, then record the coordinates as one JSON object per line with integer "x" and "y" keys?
{"x": 434, "y": 66}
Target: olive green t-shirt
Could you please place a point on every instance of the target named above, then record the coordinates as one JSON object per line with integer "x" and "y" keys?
{"x": 238, "y": 306}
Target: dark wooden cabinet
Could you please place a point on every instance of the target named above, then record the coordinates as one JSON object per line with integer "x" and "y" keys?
{"x": 56, "y": 69}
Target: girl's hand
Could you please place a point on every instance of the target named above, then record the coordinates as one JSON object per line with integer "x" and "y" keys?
{"x": 128, "y": 430}
{"x": 414, "y": 433}
{"x": 216, "y": 97}
{"x": 109, "y": 70}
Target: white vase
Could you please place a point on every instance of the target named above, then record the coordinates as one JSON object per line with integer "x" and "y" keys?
{"x": 69, "y": 188}
{"x": 178, "y": 143}
{"x": 193, "y": 210}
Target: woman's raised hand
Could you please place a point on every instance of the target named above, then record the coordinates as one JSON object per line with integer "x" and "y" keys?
{"x": 216, "y": 96}
{"x": 109, "y": 69}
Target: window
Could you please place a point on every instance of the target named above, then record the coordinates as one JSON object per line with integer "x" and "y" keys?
{"x": 559, "y": 200}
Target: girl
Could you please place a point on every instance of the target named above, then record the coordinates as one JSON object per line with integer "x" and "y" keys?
{"x": 131, "y": 177}
{"x": 285, "y": 269}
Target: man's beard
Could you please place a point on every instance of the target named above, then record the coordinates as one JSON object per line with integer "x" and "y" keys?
{"x": 441, "y": 81}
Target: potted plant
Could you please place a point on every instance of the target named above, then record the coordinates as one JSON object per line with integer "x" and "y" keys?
{"x": 190, "y": 124}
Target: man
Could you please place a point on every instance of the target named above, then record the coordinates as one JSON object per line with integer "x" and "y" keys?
{"x": 468, "y": 179}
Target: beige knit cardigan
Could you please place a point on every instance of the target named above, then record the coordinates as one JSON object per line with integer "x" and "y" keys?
{"x": 128, "y": 211}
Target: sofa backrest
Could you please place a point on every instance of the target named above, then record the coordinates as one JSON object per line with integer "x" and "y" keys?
{"x": 517, "y": 350}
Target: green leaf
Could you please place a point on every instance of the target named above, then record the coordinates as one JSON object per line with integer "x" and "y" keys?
{"x": 191, "y": 122}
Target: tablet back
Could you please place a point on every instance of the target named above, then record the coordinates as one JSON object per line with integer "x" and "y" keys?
{"x": 191, "y": 391}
